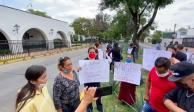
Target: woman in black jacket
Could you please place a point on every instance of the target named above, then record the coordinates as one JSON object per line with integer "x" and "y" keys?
{"x": 116, "y": 53}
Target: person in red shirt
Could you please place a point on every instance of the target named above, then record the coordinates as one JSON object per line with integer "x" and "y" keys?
{"x": 157, "y": 85}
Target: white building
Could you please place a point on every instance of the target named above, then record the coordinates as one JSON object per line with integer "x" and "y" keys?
{"x": 24, "y": 28}
{"x": 185, "y": 33}
{"x": 183, "y": 36}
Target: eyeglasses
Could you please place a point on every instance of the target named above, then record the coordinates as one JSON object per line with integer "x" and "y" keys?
{"x": 70, "y": 64}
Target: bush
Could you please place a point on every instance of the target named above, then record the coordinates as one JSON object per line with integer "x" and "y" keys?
{"x": 154, "y": 41}
{"x": 6, "y": 51}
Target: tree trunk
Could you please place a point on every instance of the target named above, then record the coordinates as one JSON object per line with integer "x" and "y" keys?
{"x": 150, "y": 21}
{"x": 136, "y": 27}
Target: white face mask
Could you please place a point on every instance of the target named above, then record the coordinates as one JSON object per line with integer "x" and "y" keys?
{"x": 41, "y": 85}
{"x": 162, "y": 75}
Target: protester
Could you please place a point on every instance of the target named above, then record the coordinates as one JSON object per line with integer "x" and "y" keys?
{"x": 116, "y": 53}
{"x": 180, "y": 55}
{"x": 175, "y": 44}
{"x": 157, "y": 85}
{"x": 158, "y": 46}
{"x": 134, "y": 52}
{"x": 127, "y": 90}
{"x": 181, "y": 98}
{"x": 109, "y": 46}
{"x": 92, "y": 55}
{"x": 98, "y": 46}
{"x": 172, "y": 49}
{"x": 165, "y": 44}
{"x": 66, "y": 87}
{"x": 34, "y": 96}
{"x": 129, "y": 59}
{"x": 169, "y": 45}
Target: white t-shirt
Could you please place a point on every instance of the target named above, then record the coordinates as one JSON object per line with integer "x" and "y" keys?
{"x": 100, "y": 54}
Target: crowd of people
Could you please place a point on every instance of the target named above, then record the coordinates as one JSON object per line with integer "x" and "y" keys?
{"x": 169, "y": 85}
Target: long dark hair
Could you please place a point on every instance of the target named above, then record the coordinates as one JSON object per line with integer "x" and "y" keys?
{"x": 29, "y": 90}
{"x": 116, "y": 47}
{"x": 62, "y": 62}
{"x": 90, "y": 48}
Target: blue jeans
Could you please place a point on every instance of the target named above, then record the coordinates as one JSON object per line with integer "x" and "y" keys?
{"x": 98, "y": 101}
{"x": 147, "y": 108}
{"x": 98, "y": 105}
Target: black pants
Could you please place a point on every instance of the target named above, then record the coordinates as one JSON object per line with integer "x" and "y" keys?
{"x": 98, "y": 101}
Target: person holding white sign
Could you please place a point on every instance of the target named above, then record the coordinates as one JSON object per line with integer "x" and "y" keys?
{"x": 92, "y": 55}
{"x": 157, "y": 85}
{"x": 127, "y": 90}
{"x": 100, "y": 51}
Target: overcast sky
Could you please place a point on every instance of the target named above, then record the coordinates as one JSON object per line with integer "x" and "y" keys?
{"x": 181, "y": 12}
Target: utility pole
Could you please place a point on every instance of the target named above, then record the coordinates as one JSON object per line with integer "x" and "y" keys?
{"x": 174, "y": 35}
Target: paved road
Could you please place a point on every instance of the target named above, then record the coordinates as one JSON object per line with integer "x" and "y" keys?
{"x": 12, "y": 76}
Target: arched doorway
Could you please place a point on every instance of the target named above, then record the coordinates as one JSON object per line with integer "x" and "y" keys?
{"x": 4, "y": 45}
{"x": 34, "y": 40}
{"x": 60, "y": 40}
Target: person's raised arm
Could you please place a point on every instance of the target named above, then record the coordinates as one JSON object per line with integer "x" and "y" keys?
{"x": 88, "y": 98}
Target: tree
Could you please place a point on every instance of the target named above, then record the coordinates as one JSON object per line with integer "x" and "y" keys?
{"x": 78, "y": 26}
{"x": 137, "y": 9}
{"x": 39, "y": 13}
{"x": 120, "y": 26}
{"x": 91, "y": 27}
{"x": 156, "y": 37}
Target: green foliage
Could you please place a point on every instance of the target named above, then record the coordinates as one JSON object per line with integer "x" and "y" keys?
{"x": 78, "y": 25}
{"x": 143, "y": 12}
{"x": 5, "y": 51}
{"x": 120, "y": 26}
{"x": 156, "y": 37}
{"x": 39, "y": 13}
{"x": 92, "y": 27}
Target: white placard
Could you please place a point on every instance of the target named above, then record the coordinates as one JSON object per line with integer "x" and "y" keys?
{"x": 129, "y": 50}
{"x": 130, "y": 73}
{"x": 94, "y": 71}
{"x": 150, "y": 56}
{"x": 189, "y": 54}
{"x": 100, "y": 54}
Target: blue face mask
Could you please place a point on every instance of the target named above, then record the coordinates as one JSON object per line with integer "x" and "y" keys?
{"x": 66, "y": 71}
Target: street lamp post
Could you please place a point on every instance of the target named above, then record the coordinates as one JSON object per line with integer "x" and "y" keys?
{"x": 174, "y": 35}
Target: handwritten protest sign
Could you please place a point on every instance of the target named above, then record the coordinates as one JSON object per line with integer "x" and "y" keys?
{"x": 94, "y": 71}
{"x": 129, "y": 50}
{"x": 130, "y": 73}
{"x": 189, "y": 55}
{"x": 150, "y": 55}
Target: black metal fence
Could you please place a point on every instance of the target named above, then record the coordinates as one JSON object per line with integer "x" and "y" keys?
{"x": 19, "y": 49}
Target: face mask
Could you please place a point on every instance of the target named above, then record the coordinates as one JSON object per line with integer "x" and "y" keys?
{"x": 66, "y": 71}
{"x": 41, "y": 85}
{"x": 162, "y": 75}
{"x": 92, "y": 55}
